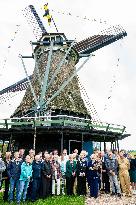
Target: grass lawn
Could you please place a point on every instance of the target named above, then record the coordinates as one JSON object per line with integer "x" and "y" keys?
{"x": 56, "y": 200}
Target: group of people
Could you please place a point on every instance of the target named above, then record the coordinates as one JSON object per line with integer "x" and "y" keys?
{"x": 40, "y": 175}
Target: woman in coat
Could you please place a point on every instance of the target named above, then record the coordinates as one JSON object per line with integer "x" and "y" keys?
{"x": 94, "y": 166}
{"x": 71, "y": 168}
{"x": 26, "y": 174}
{"x": 55, "y": 175}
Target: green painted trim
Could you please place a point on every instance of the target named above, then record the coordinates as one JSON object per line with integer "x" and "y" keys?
{"x": 63, "y": 122}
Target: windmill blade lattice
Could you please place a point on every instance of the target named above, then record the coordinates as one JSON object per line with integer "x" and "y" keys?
{"x": 34, "y": 21}
{"x": 96, "y": 42}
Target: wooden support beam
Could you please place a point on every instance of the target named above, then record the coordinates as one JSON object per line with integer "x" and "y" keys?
{"x": 82, "y": 140}
{"x": 118, "y": 145}
{"x": 104, "y": 146}
{"x": 62, "y": 142}
{"x": 35, "y": 133}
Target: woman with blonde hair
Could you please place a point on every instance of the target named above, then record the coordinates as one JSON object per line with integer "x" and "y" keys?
{"x": 55, "y": 175}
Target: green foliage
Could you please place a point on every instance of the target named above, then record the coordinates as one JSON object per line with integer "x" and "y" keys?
{"x": 56, "y": 200}
{"x": 133, "y": 152}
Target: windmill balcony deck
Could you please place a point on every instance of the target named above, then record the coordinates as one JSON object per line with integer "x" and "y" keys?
{"x": 62, "y": 123}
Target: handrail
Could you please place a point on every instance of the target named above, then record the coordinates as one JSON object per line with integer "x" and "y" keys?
{"x": 63, "y": 120}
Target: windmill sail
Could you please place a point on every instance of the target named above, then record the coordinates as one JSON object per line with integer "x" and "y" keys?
{"x": 96, "y": 42}
{"x": 34, "y": 20}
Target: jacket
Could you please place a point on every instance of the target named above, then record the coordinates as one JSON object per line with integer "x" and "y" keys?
{"x": 14, "y": 169}
{"x": 36, "y": 167}
{"x": 70, "y": 168}
{"x": 124, "y": 165}
{"x": 92, "y": 170}
{"x": 46, "y": 168}
{"x": 133, "y": 164}
{"x": 111, "y": 164}
{"x": 5, "y": 173}
{"x": 55, "y": 170}
{"x": 81, "y": 167}
{"x": 26, "y": 172}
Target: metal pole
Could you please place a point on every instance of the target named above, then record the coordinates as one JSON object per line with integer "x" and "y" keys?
{"x": 104, "y": 146}
{"x": 82, "y": 140}
{"x": 34, "y": 135}
{"x": 100, "y": 146}
{"x": 69, "y": 146}
{"x": 31, "y": 87}
{"x": 115, "y": 144}
{"x": 111, "y": 145}
{"x": 36, "y": 65}
{"x": 10, "y": 141}
{"x": 62, "y": 142}
{"x": 2, "y": 145}
{"x": 118, "y": 145}
{"x": 6, "y": 123}
{"x": 45, "y": 79}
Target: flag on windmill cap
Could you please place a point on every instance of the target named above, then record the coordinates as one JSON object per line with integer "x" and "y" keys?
{"x": 47, "y": 13}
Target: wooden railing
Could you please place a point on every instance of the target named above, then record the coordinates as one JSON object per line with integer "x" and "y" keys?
{"x": 60, "y": 120}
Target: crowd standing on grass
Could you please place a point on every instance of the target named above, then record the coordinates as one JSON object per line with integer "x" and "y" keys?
{"x": 44, "y": 174}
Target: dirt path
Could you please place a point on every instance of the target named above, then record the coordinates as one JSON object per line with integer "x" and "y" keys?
{"x": 106, "y": 199}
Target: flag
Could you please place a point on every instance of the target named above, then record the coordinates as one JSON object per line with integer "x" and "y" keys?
{"x": 47, "y": 13}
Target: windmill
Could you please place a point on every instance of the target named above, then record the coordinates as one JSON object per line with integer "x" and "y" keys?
{"x": 53, "y": 88}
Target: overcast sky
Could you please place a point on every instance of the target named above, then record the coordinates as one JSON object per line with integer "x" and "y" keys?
{"x": 115, "y": 62}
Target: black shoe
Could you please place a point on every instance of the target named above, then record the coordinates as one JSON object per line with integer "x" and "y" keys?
{"x": 119, "y": 195}
{"x": 112, "y": 194}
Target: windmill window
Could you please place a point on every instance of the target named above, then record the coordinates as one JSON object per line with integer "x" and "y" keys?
{"x": 47, "y": 40}
{"x": 52, "y": 38}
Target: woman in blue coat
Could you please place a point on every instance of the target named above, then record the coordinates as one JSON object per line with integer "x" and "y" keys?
{"x": 26, "y": 174}
{"x": 93, "y": 176}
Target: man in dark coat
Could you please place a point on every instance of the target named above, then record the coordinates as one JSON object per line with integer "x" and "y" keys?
{"x": 46, "y": 176}
{"x": 36, "y": 177}
{"x": 14, "y": 171}
{"x": 81, "y": 175}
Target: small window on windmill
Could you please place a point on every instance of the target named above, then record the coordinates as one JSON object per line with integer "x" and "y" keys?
{"x": 59, "y": 40}
{"x": 53, "y": 38}
{"x": 46, "y": 41}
